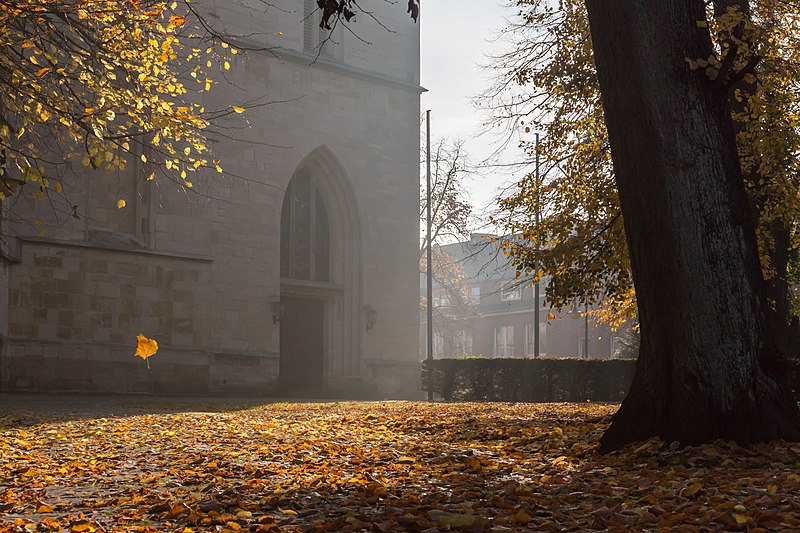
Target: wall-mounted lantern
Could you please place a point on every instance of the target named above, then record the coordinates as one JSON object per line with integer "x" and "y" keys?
{"x": 10, "y": 185}
{"x": 277, "y": 309}
{"x": 372, "y": 317}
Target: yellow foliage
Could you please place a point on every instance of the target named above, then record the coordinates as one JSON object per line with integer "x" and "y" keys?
{"x": 548, "y": 80}
{"x": 102, "y": 78}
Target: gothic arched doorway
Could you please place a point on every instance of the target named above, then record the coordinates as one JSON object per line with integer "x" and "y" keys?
{"x": 320, "y": 262}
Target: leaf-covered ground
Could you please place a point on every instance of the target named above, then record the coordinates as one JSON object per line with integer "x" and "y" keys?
{"x": 375, "y": 467}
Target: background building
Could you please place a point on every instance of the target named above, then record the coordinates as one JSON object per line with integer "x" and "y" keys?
{"x": 259, "y": 279}
{"x": 490, "y": 313}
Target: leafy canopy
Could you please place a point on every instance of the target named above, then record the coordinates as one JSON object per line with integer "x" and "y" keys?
{"x": 547, "y": 83}
{"x": 101, "y": 82}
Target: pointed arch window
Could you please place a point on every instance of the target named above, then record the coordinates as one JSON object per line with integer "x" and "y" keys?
{"x": 318, "y": 40}
{"x": 305, "y": 231}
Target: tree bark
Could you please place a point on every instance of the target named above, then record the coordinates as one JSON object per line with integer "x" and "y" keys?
{"x": 706, "y": 368}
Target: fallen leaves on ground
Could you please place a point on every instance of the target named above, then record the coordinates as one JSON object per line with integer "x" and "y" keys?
{"x": 379, "y": 467}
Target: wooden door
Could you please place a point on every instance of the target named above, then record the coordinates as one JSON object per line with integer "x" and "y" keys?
{"x": 301, "y": 347}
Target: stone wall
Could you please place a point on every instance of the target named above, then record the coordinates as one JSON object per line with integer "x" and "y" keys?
{"x": 198, "y": 269}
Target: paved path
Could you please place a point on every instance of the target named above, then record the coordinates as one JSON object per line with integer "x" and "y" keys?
{"x": 32, "y": 408}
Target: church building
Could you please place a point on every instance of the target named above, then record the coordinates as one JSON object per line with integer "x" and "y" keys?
{"x": 292, "y": 273}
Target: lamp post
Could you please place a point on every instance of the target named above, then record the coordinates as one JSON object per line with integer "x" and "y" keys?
{"x": 536, "y": 285}
{"x": 429, "y": 255}
{"x": 586, "y": 330}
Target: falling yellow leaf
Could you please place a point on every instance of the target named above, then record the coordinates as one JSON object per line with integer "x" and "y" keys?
{"x": 145, "y": 348}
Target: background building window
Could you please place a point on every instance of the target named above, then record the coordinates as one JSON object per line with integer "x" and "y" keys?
{"x": 512, "y": 291}
{"x": 463, "y": 343}
{"x": 504, "y": 341}
{"x": 475, "y": 295}
{"x": 542, "y": 339}
{"x": 440, "y": 299}
{"x": 438, "y": 345}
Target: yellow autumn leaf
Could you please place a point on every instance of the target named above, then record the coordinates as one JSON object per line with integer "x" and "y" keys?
{"x": 691, "y": 490}
{"x": 454, "y": 521}
{"x": 121, "y": 203}
{"x": 238, "y": 109}
{"x": 83, "y": 527}
{"x": 145, "y": 348}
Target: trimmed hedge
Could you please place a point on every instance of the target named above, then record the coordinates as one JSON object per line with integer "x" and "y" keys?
{"x": 540, "y": 380}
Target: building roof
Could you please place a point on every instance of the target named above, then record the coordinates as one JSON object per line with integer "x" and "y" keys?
{"x": 481, "y": 258}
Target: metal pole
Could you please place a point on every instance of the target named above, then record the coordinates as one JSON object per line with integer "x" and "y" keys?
{"x": 429, "y": 253}
{"x": 536, "y": 285}
{"x": 586, "y": 329}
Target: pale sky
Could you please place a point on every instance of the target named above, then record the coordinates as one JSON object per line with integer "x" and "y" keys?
{"x": 456, "y": 35}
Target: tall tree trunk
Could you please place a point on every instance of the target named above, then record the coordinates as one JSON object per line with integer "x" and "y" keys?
{"x": 777, "y": 309}
{"x": 706, "y": 369}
